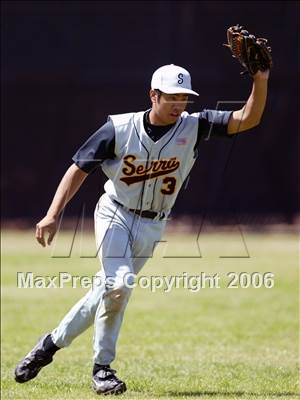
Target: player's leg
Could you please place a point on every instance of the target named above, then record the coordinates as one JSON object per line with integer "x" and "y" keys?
{"x": 81, "y": 315}
{"x": 127, "y": 245}
{"x": 77, "y": 320}
{"x": 122, "y": 253}
{"x": 116, "y": 258}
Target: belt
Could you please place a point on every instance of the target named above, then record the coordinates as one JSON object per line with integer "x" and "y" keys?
{"x": 141, "y": 213}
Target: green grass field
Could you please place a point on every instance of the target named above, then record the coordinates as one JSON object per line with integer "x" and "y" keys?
{"x": 216, "y": 343}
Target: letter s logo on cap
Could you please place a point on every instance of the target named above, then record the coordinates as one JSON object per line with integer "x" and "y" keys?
{"x": 180, "y": 79}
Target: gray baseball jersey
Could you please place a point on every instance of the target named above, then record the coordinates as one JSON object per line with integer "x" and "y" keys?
{"x": 145, "y": 173}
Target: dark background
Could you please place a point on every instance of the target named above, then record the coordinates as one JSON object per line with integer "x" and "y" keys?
{"x": 66, "y": 65}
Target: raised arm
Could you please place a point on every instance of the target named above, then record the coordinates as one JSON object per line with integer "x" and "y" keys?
{"x": 250, "y": 115}
{"x": 69, "y": 185}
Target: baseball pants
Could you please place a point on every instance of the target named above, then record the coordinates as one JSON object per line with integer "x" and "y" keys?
{"x": 124, "y": 243}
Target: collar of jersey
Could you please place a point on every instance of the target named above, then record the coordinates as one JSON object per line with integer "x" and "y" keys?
{"x": 144, "y": 138}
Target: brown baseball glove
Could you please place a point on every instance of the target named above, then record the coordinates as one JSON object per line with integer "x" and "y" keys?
{"x": 253, "y": 53}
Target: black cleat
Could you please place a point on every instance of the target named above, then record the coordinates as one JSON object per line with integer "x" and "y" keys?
{"x": 106, "y": 382}
{"x": 35, "y": 360}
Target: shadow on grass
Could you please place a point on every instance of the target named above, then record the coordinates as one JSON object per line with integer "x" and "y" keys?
{"x": 220, "y": 393}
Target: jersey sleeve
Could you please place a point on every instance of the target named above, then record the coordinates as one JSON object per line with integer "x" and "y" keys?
{"x": 99, "y": 147}
{"x": 213, "y": 123}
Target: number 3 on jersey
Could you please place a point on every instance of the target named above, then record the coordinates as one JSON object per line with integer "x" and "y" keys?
{"x": 169, "y": 185}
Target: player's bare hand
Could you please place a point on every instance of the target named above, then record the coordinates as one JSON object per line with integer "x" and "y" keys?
{"x": 46, "y": 225}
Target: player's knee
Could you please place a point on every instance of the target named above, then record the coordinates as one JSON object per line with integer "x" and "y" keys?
{"x": 117, "y": 298}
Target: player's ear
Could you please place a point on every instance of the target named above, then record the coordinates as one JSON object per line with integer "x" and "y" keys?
{"x": 153, "y": 96}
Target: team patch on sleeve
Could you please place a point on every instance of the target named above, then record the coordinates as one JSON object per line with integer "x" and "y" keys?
{"x": 181, "y": 141}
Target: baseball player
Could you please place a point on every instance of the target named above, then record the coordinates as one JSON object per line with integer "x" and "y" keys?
{"x": 146, "y": 157}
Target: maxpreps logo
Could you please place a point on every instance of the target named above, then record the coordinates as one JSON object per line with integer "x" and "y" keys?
{"x": 138, "y": 172}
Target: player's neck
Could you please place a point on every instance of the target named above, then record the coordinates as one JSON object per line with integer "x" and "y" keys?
{"x": 153, "y": 119}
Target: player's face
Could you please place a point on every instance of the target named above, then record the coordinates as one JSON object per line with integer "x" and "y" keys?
{"x": 167, "y": 108}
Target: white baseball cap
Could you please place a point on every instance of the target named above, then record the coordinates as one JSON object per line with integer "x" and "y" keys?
{"x": 172, "y": 79}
